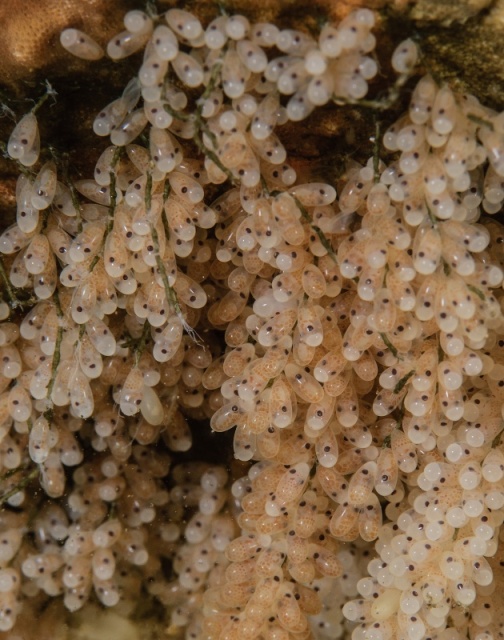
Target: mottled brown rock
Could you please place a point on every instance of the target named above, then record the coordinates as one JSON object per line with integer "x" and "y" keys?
{"x": 496, "y": 14}
{"x": 29, "y": 38}
{"x": 444, "y": 12}
{"x": 460, "y": 41}
{"x": 469, "y": 58}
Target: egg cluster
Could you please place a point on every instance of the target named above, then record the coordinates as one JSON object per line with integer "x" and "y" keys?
{"x": 354, "y": 343}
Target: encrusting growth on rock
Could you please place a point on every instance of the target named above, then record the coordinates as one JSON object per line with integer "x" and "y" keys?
{"x": 353, "y": 342}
